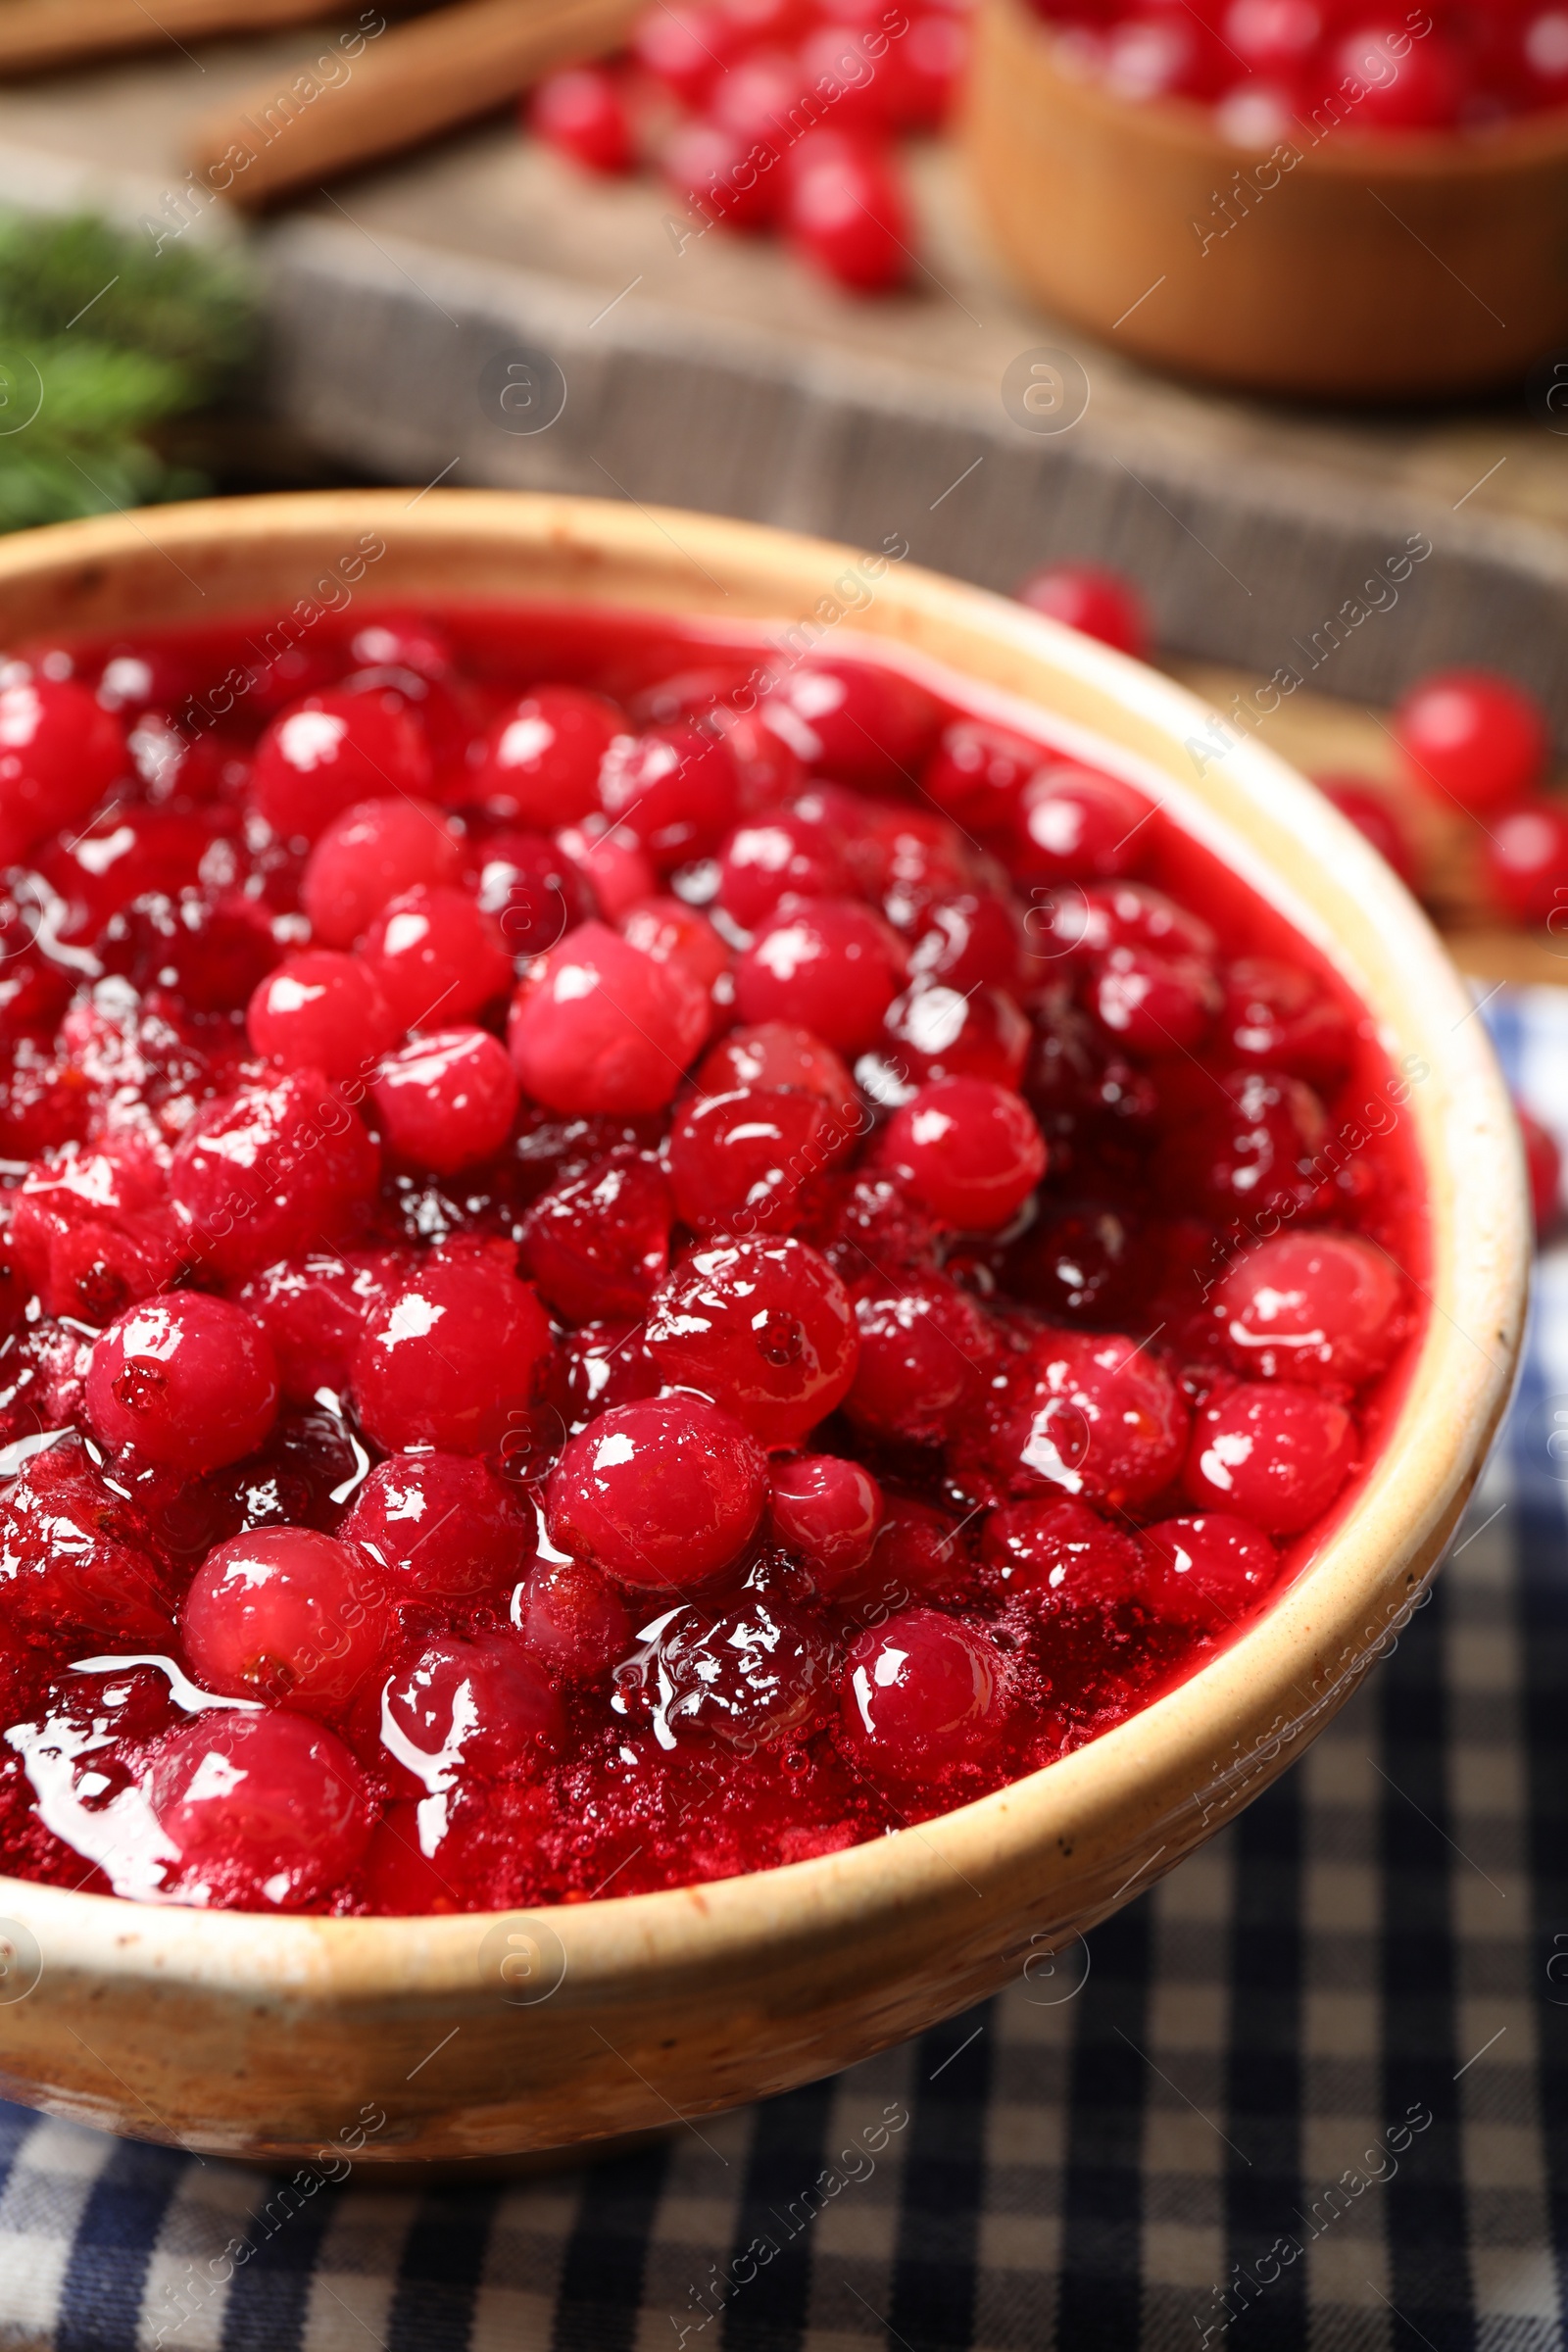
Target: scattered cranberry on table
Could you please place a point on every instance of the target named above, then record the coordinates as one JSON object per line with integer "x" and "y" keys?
{"x": 610, "y": 1280}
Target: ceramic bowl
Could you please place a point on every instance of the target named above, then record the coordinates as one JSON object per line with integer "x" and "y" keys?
{"x": 482, "y": 2036}
{"x": 1327, "y": 264}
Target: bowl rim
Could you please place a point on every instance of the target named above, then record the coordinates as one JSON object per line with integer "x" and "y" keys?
{"x": 1519, "y": 144}
{"x": 1288, "y": 1671}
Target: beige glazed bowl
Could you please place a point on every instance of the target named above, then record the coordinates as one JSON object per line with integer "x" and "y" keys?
{"x": 479, "y": 2036}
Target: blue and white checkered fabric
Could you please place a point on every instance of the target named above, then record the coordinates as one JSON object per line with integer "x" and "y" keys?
{"x": 1314, "y": 2090}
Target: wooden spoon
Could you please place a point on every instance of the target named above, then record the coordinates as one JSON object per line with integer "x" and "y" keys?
{"x": 403, "y": 87}
{"x": 36, "y": 35}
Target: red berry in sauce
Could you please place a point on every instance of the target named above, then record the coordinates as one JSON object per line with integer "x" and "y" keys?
{"x": 934, "y": 1030}
{"x": 368, "y": 856}
{"x": 789, "y": 854}
{"x": 435, "y": 1525}
{"x": 1321, "y": 1309}
{"x": 599, "y": 1025}
{"x": 1061, "y": 1556}
{"x": 286, "y": 1615}
{"x": 749, "y": 1676}
{"x": 437, "y": 955}
{"x": 1209, "y": 1571}
{"x": 675, "y": 790}
{"x": 826, "y": 1511}
{"x": 264, "y": 1812}
{"x": 671, "y": 932}
{"x": 968, "y": 1149}
{"x": 270, "y": 1172}
{"x": 580, "y": 112}
{"x": 826, "y": 963}
{"x": 1075, "y": 825}
{"x": 1473, "y": 737}
{"x": 598, "y": 1245}
{"x": 313, "y": 762}
{"x": 1272, "y": 1452}
{"x": 1097, "y": 1416}
{"x": 539, "y": 763}
{"x": 1153, "y": 1004}
{"x": 321, "y": 1011}
{"x": 925, "y": 1350}
{"x": 1102, "y": 604}
{"x": 852, "y": 720}
{"x": 658, "y": 1495}
{"x": 446, "y": 1099}
{"x": 452, "y": 1355}
{"x": 764, "y": 1327}
{"x": 75, "y": 1557}
{"x": 1276, "y": 1015}
{"x": 773, "y": 1053}
{"x": 470, "y": 1710}
{"x": 573, "y": 1620}
{"x": 741, "y": 1162}
{"x": 314, "y": 1309}
{"x": 1404, "y": 83}
{"x": 977, "y": 773}
{"x": 922, "y": 1691}
{"x": 186, "y": 1380}
{"x": 59, "y": 752}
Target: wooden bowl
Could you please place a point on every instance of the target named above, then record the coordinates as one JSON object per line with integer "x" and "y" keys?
{"x": 1370, "y": 267}
{"x": 477, "y": 2036}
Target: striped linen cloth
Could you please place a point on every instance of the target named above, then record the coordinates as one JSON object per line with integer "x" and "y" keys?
{"x": 1308, "y": 2094}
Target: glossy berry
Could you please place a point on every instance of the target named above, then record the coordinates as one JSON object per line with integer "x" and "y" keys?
{"x": 1526, "y": 857}
{"x": 658, "y": 1495}
{"x": 925, "y": 1351}
{"x": 1473, "y": 737}
{"x": 1251, "y": 1142}
{"x": 597, "y": 1366}
{"x": 1093, "y": 1416}
{"x": 766, "y": 1328}
{"x": 324, "y": 1011}
{"x": 757, "y": 1672}
{"x": 463, "y": 1711}
{"x": 1275, "y": 1014}
{"x": 78, "y": 1559}
{"x": 1208, "y": 1572}
{"x": 826, "y": 1511}
{"x": 265, "y": 1812}
{"x": 675, "y": 789}
{"x": 968, "y": 1149}
{"x": 789, "y": 854}
{"x": 434, "y": 1525}
{"x": 186, "y": 1380}
{"x": 845, "y": 212}
{"x": 60, "y": 753}
{"x": 743, "y": 1163}
{"x": 1321, "y": 1309}
{"x": 935, "y": 1030}
{"x": 853, "y": 721}
{"x": 1403, "y": 83}
{"x": 313, "y": 1310}
{"x": 539, "y": 763}
{"x": 445, "y": 1101}
{"x": 368, "y": 856}
{"x": 671, "y": 932}
{"x": 599, "y": 1026}
{"x": 270, "y": 1172}
{"x": 598, "y": 1245}
{"x": 1271, "y": 1452}
{"x": 977, "y": 773}
{"x": 533, "y": 888}
{"x": 825, "y": 963}
{"x": 968, "y": 938}
{"x": 614, "y": 867}
{"x": 1075, "y": 825}
{"x": 289, "y": 1616}
{"x": 452, "y": 1355}
{"x": 685, "y": 48}
{"x": 775, "y": 1054}
{"x": 1102, "y": 604}
{"x": 1061, "y": 1556}
{"x": 1153, "y": 1004}
{"x": 437, "y": 956}
{"x": 573, "y": 1620}
{"x": 922, "y": 1691}
{"x": 335, "y": 749}
{"x": 580, "y": 112}
{"x": 722, "y": 174}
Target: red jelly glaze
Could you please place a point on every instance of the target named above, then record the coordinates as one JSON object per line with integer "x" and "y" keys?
{"x": 547, "y": 1435}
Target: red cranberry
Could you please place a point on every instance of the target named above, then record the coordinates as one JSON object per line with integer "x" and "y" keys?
{"x": 826, "y": 1511}
{"x": 922, "y": 1691}
{"x": 186, "y": 1380}
{"x": 936, "y": 1031}
{"x": 927, "y": 67}
{"x": 741, "y": 1162}
{"x": 369, "y": 854}
{"x": 967, "y": 938}
{"x": 1373, "y": 813}
{"x": 658, "y": 1495}
{"x": 598, "y": 1246}
{"x": 599, "y": 1026}
{"x": 1102, "y": 604}
{"x": 612, "y": 866}
{"x": 1527, "y": 864}
{"x": 314, "y": 1309}
{"x": 907, "y": 858}
{"x": 435, "y": 1524}
{"x": 571, "y": 1619}
{"x": 1471, "y": 736}
{"x": 1074, "y": 824}
{"x": 271, "y": 1172}
{"x": 1271, "y": 1452}
{"x": 446, "y": 1099}
{"x": 675, "y": 790}
{"x": 773, "y": 1053}
{"x": 321, "y": 1011}
{"x": 672, "y": 933}
{"x": 826, "y": 963}
{"x": 757, "y": 95}
{"x": 968, "y": 1151}
{"x": 76, "y": 1558}
{"x": 335, "y": 749}
{"x": 789, "y": 854}
{"x": 1543, "y": 1167}
{"x": 1278, "y": 1015}
{"x": 724, "y": 173}
{"x": 437, "y": 955}
{"x": 264, "y": 1812}
{"x": 852, "y": 721}
{"x": 870, "y": 1225}
{"x": 539, "y": 764}
{"x": 925, "y": 1349}
{"x": 1208, "y": 1572}
{"x": 916, "y": 1554}
{"x": 533, "y": 890}
{"x": 765, "y": 1327}
{"x": 126, "y": 853}
{"x": 977, "y": 772}
{"x": 836, "y": 65}
{"x": 597, "y": 1366}
{"x": 749, "y": 1676}
{"x": 845, "y": 213}
{"x": 59, "y": 755}
{"x": 579, "y": 111}
{"x": 479, "y": 1710}
{"x": 452, "y": 1357}
{"x": 1091, "y": 1415}
{"x": 1248, "y": 1142}
{"x": 1077, "y": 1265}
{"x": 1321, "y": 1309}
{"x": 286, "y": 1615}
{"x": 1061, "y": 1554}
{"x": 685, "y": 48}
{"x": 1404, "y": 83}
{"x": 1153, "y": 1004}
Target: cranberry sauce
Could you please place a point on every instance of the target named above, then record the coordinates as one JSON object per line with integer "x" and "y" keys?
{"x": 628, "y": 1258}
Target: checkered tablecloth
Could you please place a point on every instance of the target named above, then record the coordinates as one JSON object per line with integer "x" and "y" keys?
{"x": 1312, "y": 2091}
